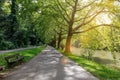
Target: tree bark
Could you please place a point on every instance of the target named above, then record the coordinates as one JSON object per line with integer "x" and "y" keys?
{"x": 70, "y": 32}
{"x": 59, "y": 40}
{"x": 68, "y": 42}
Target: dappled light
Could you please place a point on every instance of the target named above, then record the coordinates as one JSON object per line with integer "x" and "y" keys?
{"x": 49, "y": 66}
{"x": 103, "y": 19}
{"x": 86, "y": 31}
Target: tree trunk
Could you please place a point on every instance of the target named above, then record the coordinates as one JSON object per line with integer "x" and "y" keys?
{"x": 68, "y": 42}
{"x": 59, "y": 40}
{"x": 70, "y": 32}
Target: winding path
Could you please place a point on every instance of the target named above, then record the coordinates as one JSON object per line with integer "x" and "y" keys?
{"x": 13, "y": 50}
{"x": 50, "y": 65}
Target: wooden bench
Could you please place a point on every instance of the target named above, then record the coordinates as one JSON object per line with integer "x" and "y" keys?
{"x": 13, "y": 59}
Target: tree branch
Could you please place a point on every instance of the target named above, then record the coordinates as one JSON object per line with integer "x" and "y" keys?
{"x": 68, "y": 3}
{"x": 93, "y": 28}
{"x": 56, "y": 19}
{"x": 63, "y": 10}
{"x": 60, "y": 11}
{"x": 87, "y": 14}
{"x": 82, "y": 24}
{"x": 85, "y": 6}
{"x": 61, "y": 30}
{"x": 73, "y": 14}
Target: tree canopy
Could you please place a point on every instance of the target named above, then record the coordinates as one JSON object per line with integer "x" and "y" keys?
{"x": 95, "y": 23}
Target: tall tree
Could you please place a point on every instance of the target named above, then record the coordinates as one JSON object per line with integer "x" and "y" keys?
{"x": 12, "y": 21}
{"x": 2, "y": 14}
{"x": 80, "y": 16}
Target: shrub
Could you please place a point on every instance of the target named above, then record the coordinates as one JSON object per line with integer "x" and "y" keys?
{"x": 4, "y": 45}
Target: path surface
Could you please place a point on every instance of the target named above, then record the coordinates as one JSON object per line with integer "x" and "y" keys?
{"x": 13, "y": 50}
{"x": 50, "y": 65}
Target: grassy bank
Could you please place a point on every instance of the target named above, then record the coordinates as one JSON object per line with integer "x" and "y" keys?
{"x": 28, "y": 54}
{"x": 98, "y": 70}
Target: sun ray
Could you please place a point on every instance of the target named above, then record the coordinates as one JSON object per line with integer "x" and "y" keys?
{"x": 103, "y": 18}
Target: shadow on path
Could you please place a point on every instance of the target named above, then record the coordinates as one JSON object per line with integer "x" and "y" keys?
{"x": 50, "y": 65}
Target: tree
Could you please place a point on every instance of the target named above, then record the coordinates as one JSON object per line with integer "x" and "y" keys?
{"x": 61, "y": 35}
{"x": 88, "y": 11}
{"x": 12, "y": 21}
{"x": 2, "y": 15}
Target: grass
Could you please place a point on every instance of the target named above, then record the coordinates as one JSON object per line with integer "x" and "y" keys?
{"x": 28, "y": 54}
{"x": 98, "y": 70}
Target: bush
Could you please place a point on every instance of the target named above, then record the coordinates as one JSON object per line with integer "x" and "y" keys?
{"x": 88, "y": 53}
{"x": 20, "y": 39}
{"x": 4, "y": 45}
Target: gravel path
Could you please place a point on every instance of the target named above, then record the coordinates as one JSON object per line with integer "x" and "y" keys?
{"x": 13, "y": 50}
{"x": 50, "y": 65}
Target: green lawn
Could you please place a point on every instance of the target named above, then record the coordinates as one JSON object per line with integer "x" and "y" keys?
{"x": 28, "y": 54}
{"x": 98, "y": 70}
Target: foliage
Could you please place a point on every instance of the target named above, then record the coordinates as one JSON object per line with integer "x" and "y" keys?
{"x": 19, "y": 23}
{"x": 4, "y": 45}
{"x": 82, "y": 16}
{"x": 88, "y": 53}
{"x": 21, "y": 38}
{"x": 95, "y": 23}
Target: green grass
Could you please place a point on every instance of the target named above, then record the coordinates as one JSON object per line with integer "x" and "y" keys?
{"x": 98, "y": 70}
{"x": 28, "y": 54}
